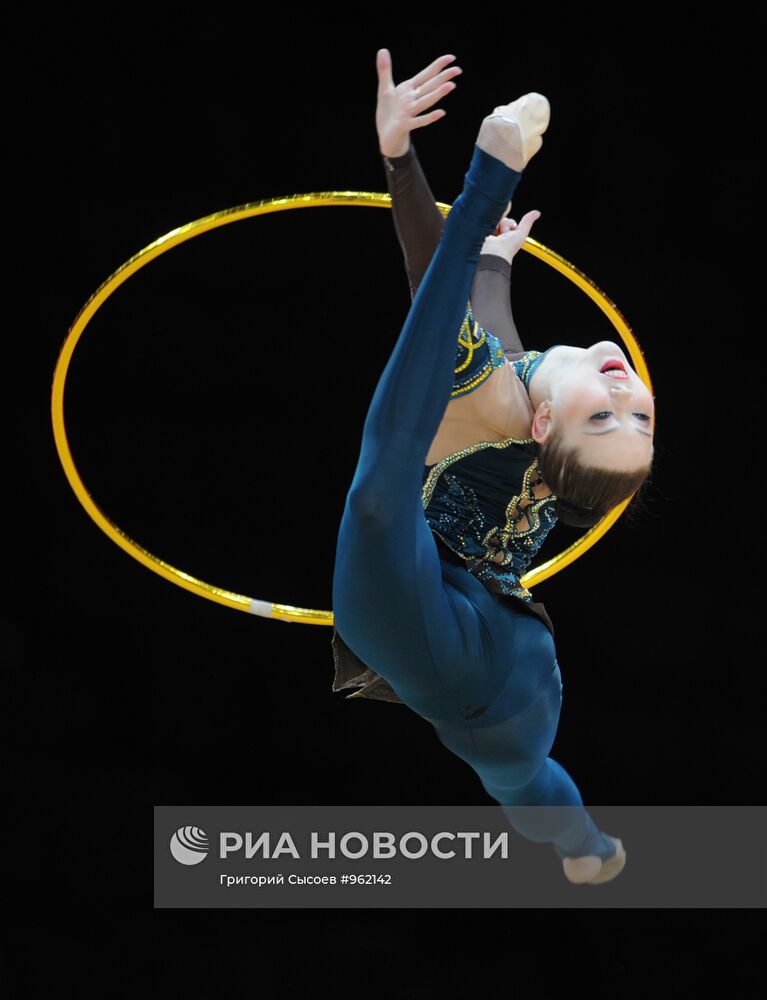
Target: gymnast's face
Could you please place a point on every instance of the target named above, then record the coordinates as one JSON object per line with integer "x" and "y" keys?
{"x": 599, "y": 405}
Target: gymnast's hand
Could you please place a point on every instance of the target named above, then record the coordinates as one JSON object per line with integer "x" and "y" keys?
{"x": 399, "y": 109}
{"x": 510, "y": 235}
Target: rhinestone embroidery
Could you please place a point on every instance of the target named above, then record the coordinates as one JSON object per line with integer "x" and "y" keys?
{"x": 527, "y": 365}
{"x": 436, "y": 470}
{"x": 524, "y": 367}
{"x": 478, "y": 354}
{"x": 496, "y": 555}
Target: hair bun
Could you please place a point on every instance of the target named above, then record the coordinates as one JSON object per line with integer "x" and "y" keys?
{"x": 575, "y": 516}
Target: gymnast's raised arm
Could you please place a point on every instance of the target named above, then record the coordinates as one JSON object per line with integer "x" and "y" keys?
{"x": 417, "y": 220}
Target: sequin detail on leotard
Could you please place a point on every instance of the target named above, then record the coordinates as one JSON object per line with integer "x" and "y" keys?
{"x": 527, "y": 365}
{"x": 477, "y": 498}
{"x": 478, "y": 354}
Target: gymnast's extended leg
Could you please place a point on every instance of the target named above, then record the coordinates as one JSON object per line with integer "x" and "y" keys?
{"x": 538, "y": 796}
{"x": 389, "y": 602}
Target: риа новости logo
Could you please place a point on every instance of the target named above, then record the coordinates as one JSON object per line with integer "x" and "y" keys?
{"x": 189, "y": 845}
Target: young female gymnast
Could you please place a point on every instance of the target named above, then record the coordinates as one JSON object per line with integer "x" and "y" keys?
{"x": 480, "y": 668}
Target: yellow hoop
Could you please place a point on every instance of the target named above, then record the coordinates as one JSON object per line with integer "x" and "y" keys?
{"x": 267, "y": 609}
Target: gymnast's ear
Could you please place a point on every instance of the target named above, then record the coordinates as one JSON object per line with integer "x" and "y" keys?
{"x": 542, "y": 427}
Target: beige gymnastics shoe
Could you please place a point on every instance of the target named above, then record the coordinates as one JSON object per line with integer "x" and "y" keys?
{"x": 593, "y": 870}
{"x": 531, "y": 113}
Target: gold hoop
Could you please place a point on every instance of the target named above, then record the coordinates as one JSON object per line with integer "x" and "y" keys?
{"x": 239, "y": 602}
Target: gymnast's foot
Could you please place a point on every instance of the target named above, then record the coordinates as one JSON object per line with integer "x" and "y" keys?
{"x": 512, "y": 133}
{"x": 592, "y": 869}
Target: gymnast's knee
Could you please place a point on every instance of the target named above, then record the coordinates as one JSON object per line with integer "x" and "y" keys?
{"x": 511, "y": 775}
{"x": 378, "y": 501}
{"x": 500, "y": 759}
{"x": 366, "y": 501}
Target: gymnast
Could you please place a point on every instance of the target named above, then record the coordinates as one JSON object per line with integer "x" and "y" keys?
{"x": 455, "y": 474}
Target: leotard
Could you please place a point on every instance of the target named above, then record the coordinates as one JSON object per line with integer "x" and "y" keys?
{"x": 473, "y": 662}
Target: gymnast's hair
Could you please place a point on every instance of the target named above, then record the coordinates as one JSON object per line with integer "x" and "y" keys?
{"x": 585, "y": 493}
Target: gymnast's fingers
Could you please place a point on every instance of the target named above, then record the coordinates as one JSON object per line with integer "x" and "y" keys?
{"x": 426, "y": 100}
{"x": 437, "y": 87}
{"x": 383, "y": 65}
{"x": 527, "y": 220}
{"x": 422, "y": 120}
{"x": 431, "y": 70}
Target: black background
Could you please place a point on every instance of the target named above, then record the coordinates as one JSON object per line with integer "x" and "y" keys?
{"x": 215, "y": 407}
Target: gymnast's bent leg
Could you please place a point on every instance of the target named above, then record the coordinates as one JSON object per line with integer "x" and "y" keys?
{"x": 538, "y": 796}
{"x": 390, "y": 602}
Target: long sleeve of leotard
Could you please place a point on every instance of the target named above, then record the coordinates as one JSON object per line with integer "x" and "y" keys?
{"x": 418, "y": 224}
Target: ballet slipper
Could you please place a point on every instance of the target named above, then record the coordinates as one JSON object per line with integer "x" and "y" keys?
{"x": 592, "y": 870}
{"x": 531, "y": 114}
